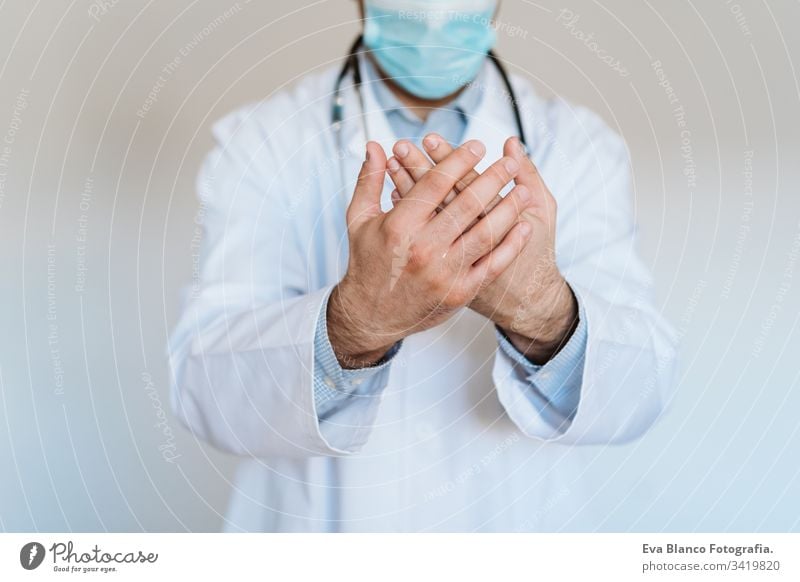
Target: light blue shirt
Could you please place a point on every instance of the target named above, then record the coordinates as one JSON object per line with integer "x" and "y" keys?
{"x": 554, "y": 385}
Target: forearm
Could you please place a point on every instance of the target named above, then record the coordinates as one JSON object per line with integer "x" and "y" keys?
{"x": 540, "y": 331}
{"x": 352, "y": 342}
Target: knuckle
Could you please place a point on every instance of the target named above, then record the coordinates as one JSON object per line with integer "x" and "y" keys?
{"x": 493, "y": 179}
{"x": 471, "y": 202}
{"x": 392, "y": 229}
{"x": 448, "y": 218}
{"x": 474, "y": 249}
{"x": 438, "y": 179}
{"x": 510, "y": 205}
{"x": 545, "y": 207}
{"x": 353, "y": 217}
{"x": 538, "y": 211}
{"x": 459, "y": 260}
{"x": 463, "y": 159}
{"x": 484, "y": 238}
{"x": 493, "y": 271}
{"x": 418, "y": 254}
{"x": 552, "y": 203}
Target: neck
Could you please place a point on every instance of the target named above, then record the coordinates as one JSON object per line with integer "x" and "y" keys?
{"x": 417, "y": 105}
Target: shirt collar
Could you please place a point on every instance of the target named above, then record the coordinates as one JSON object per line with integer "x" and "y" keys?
{"x": 465, "y": 104}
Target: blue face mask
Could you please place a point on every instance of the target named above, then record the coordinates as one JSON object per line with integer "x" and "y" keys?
{"x": 431, "y": 49}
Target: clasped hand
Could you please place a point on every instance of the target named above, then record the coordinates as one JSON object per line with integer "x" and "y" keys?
{"x": 450, "y": 241}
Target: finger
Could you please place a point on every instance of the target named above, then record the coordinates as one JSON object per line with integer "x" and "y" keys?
{"x": 366, "y": 201}
{"x": 413, "y": 160}
{"x": 491, "y": 266}
{"x": 401, "y": 177}
{"x": 403, "y": 182}
{"x": 419, "y": 165}
{"x": 438, "y": 149}
{"x": 415, "y": 165}
{"x": 436, "y": 183}
{"x": 490, "y": 230}
{"x": 404, "y": 178}
{"x": 528, "y": 174}
{"x": 468, "y": 205}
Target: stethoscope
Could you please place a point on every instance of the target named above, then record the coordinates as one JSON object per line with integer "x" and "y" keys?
{"x": 351, "y": 64}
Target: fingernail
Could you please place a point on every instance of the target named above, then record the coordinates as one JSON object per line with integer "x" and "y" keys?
{"x": 524, "y": 194}
{"x": 401, "y": 149}
{"x": 431, "y": 142}
{"x": 511, "y": 165}
{"x": 393, "y": 165}
{"x": 525, "y": 228}
{"x": 476, "y": 148}
{"x": 367, "y": 155}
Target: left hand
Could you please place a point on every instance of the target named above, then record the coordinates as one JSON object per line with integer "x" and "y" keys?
{"x": 531, "y": 301}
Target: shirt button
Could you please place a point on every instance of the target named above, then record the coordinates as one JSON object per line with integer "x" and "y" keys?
{"x": 358, "y": 381}
{"x": 329, "y": 383}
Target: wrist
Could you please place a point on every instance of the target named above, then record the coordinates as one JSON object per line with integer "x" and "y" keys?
{"x": 354, "y": 343}
{"x": 541, "y": 335}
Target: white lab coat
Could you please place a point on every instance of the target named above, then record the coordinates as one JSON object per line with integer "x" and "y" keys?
{"x": 442, "y": 448}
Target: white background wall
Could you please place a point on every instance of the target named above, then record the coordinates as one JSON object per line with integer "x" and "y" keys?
{"x": 83, "y": 377}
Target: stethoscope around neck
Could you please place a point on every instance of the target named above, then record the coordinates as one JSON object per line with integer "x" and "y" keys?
{"x": 351, "y": 64}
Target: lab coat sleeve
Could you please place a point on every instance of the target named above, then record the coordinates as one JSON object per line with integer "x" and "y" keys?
{"x": 553, "y": 388}
{"x": 628, "y": 366}
{"x": 345, "y": 398}
{"x": 242, "y": 352}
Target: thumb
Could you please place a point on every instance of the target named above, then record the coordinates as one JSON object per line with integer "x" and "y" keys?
{"x": 366, "y": 202}
{"x": 528, "y": 175}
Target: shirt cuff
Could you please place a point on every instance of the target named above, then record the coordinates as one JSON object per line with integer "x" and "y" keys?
{"x": 559, "y": 380}
{"x": 334, "y": 385}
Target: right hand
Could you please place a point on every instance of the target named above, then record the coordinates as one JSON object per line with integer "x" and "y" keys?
{"x": 410, "y": 269}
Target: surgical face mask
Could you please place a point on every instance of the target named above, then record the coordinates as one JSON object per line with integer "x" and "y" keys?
{"x": 430, "y": 48}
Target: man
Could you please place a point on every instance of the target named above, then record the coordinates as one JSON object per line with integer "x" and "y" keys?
{"x": 418, "y": 342}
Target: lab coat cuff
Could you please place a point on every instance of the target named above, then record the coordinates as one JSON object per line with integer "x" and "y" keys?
{"x": 334, "y": 385}
{"x": 515, "y": 356}
{"x": 549, "y": 392}
{"x": 559, "y": 380}
{"x": 614, "y": 406}
{"x": 622, "y": 376}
